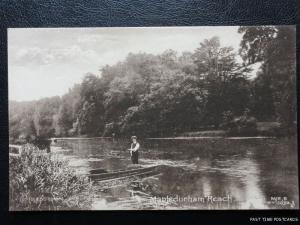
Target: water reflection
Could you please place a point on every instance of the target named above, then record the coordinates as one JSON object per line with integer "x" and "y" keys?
{"x": 219, "y": 174}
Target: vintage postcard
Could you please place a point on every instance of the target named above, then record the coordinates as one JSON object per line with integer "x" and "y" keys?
{"x": 152, "y": 118}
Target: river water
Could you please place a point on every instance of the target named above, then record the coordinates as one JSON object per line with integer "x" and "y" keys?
{"x": 198, "y": 173}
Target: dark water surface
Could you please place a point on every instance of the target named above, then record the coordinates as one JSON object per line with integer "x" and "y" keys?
{"x": 208, "y": 173}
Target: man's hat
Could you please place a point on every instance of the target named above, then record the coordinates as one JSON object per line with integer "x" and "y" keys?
{"x": 133, "y": 137}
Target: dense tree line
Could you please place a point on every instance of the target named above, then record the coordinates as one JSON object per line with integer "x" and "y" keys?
{"x": 167, "y": 94}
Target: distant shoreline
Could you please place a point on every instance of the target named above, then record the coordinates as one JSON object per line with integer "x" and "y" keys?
{"x": 174, "y": 138}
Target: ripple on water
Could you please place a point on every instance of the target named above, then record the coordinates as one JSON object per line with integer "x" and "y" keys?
{"x": 165, "y": 162}
{"x": 95, "y": 159}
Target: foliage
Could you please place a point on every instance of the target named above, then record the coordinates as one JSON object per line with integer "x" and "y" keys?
{"x": 255, "y": 42}
{"x": 274, "y": 89}
{"x": 21, "y": 119}
{"x": 244, "y": 125}
{"x": 226, "y": 85}
{"x": 43, "y": 116}
{"x": 170, "y": 93}
{"x": 66, "y": 117}
{"x": 37, "y": 181}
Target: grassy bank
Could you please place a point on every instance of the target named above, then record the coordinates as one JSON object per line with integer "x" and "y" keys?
{"x": 271, "y": 129}
{"x": 38, "y": 181}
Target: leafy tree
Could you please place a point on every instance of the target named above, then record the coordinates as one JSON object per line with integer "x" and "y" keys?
{"x": 21, "y": 120}
{"x": 274, "y": 90}
{"x": 64, "y": 121}
{"x": 90, "y": 116}
{"x": 224, "y": 80}
{"x": 255, "y": 42}
{"x": 280, "y": 66}
{"x": 262, "y": 101}
{"x": 45, "y": 111}
{"x": 68, "y": 112}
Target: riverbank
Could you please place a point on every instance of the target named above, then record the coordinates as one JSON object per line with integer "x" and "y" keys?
{"x": 262, "y": 129}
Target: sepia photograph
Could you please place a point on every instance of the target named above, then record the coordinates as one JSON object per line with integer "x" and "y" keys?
{"x": 152, "y": 118}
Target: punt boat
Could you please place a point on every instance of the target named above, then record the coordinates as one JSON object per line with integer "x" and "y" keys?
{"x": 102, "y": 175}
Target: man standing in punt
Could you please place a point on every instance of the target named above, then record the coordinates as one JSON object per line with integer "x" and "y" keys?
{"x": 134, "y": 150}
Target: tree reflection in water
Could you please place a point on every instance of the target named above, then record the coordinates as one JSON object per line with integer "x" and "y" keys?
{"x": 249, "y": 171}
